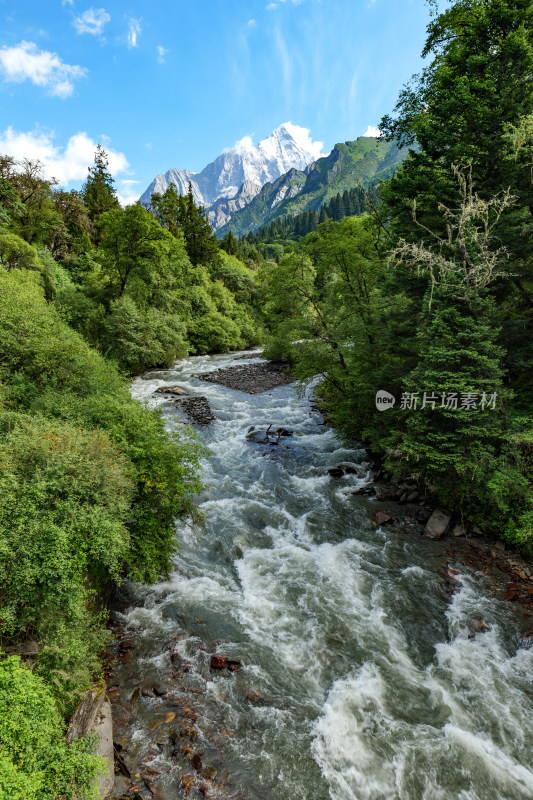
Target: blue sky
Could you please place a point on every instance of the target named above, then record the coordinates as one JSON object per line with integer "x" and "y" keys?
{"x": 171, "y": 84}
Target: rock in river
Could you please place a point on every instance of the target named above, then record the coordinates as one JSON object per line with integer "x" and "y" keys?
{"x": 268, "y": 436}
{"x": 218, "y": 661}
{"x": 197, "y": 409}
{"x": 380, "y": 517}
{"x": 251, "y": 378}
{"x": 437, "y": 525}
{"x": 171, "y": 390}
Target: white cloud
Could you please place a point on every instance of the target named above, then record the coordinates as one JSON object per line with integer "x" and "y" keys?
{"x": 68, "y": 3}
{"x": 126, "y": 193}
{"x": 372, "y": 130}
{"x": 252, "y": 23}
{"x": 127, "y": 198}
{"x": 302, "y": 136}
{"x": 92, "y": 21}
{"x": 67, "y": 163}
{"x": 134, "y": 30}
{"x": 148, "y": 145}
{"x": 24, "y": 62}
{"x": 161, "y": 53}
{"x": 244, "y": 145}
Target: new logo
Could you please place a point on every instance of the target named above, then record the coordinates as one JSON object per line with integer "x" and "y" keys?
{"x": 384, "y": 400}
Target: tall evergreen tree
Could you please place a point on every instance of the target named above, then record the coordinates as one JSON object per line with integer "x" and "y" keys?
{"x": 230, "y": 244}
{"x": 166, "y": 208}
{"x": 453, "y": 398}
{"x": 200, "y": 241}
{"x": 98, "y": 190}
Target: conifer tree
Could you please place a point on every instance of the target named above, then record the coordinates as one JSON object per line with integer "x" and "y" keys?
{"x": 166, "y": 209}
{"x": 98, "y": 191}
{"x": 200, "y": 241}
{"x": 453, "y": 398}
{"x": 230, "y": 244}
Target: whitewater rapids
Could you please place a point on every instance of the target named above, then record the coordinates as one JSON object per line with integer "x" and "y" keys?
{"x": 374, "y": 686}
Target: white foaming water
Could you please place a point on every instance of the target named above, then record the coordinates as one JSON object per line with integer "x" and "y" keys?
{"x": 376, "y": 684}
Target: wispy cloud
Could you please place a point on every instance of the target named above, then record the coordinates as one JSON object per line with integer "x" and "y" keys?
{"x": 148, "y": 145}
{"x": 252, "y": 23}
{"x": 68, "y": 163}
{"x": 134, "y": 31}
{"x": 272, "y": 6}
{"x": 25, "y": 62}
{"x": 286, "y": 63}
{"x": 67, "y": 3}
{"x": 161, "y": 53}
{"x": 92, "y": 21}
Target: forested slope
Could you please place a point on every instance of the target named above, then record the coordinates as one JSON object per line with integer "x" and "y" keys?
{"x": 361, "y": 163}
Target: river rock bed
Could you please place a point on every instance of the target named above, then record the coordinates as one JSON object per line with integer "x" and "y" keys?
{"x": 250, "y": 378}
{"x": 197, "y": 409}
{"x": 189, "y": 740}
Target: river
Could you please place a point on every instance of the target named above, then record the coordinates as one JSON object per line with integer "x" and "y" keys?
{"x": 362, "y": 677}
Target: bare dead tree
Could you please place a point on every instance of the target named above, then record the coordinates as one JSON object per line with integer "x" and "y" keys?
{"x": 465, "y": 257}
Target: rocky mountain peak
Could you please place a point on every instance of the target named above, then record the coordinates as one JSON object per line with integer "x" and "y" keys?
{"x": 240, "y": 171}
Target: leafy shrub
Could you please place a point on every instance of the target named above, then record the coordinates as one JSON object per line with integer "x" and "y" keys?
{"x": 35, "y": 761}
{"x": 90, "y": 485}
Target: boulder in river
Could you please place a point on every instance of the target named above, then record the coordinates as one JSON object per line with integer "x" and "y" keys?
{"x": 197, "y": 409}
{"x": 349, "y": 468}
{"x": 380, "y": 517}
{"x": 254, "y": 697}
{"x": 251, "y": 378}
{"x": 171, "y": 390}
{"x": 258, "y": 437}
{"x": 437, "y": 525}
{"x": 266, "y": 436}
{"x": 218, "y": 661}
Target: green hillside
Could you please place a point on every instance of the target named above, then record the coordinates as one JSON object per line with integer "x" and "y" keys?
{"x": 361, "y": 162}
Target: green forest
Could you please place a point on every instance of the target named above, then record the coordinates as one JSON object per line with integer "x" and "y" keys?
{"x": 421, "y": 286}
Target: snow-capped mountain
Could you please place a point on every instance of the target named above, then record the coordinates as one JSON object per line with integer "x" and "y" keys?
{"x": 229, "y": 182}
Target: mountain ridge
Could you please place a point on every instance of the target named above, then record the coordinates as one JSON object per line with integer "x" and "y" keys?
{"x": 229, "y": 182}
{"x": 362, "y": 161}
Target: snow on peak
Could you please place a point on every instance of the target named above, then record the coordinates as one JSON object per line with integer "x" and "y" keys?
{"x": 301, "y": 136}
{"x": 288, "y": 147}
